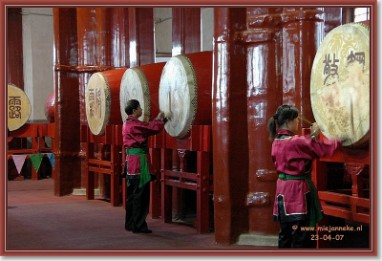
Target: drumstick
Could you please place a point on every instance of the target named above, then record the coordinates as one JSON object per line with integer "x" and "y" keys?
{"x": 305, "y": 120}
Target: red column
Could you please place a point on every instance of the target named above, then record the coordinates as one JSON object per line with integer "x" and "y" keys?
{"x": 15, "y": 72}
{"x": 264, "y": 96}
{"x": 185, "y": 30}
{"x": 93, "y": 56}
{"x": 141, "y": 36}
{"x": 118, "y": 28}
{"x": 229, "y": 127}
{"x": 102, "y": 45}
{"x": 299, "y": 34}
{"x": 334, "y": 17}
{"x": 67, "y": 164}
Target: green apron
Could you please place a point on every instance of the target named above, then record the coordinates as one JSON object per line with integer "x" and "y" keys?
{"x": 144, "y": 177}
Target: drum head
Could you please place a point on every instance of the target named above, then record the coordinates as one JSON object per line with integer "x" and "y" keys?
{"x": 97, "y": 102}
{"x": 134, "y": 85}
{"x": 178, "y": 95}
{"x": 340, "y": 84}
{"x": 19, "y": 107}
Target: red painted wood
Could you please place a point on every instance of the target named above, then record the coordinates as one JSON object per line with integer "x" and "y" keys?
{"x": 118, "y": 28}
{"x": 15, "y": 71}
{"x": 229, "y": 127}
{"x": 334, "y": 17}
{"x": 264, "y": 94}
{"x": 185, "y": 30}
{"x": 67, "y": 162}
{"x": 183, "y": 178}
{"x": 141, "y": 36}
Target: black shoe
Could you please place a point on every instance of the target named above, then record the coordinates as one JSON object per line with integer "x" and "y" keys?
{"x": 128, "y": 229}
{"x": 146, "y": 231}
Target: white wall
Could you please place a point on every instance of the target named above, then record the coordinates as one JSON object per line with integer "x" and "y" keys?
{"x": 38, "y": 58}
{"x": 207, "y": 29}
{"x": 163, "y": 33}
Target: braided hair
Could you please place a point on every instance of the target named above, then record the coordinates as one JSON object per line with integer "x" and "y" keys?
{"x": 284, "y": 113}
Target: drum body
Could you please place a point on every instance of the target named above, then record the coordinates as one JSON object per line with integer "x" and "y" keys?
{"x": 141, "y": 83}
{"x": 49, "y": 107}
{"x": 340, "y": 85}
{"x": 185, "y": 90}
{"x": 19, "y": 107}
{"x": 101, "y": 100}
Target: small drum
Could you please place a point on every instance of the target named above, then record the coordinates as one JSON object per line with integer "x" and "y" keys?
{"x": 101, "y": 100}
{"x": 19, "y": 107}
{"x": 49, "y": 107}
{"x": 185, "y": 90}
{"x": 141, "y": 83}
{"x": 340, "y": 84}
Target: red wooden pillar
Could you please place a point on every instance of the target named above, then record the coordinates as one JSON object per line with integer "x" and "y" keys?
{"x": 102, "y": 34}
{"x": 118, "y": 29}
{"x": 229, "y": 127}
{"x": 67, "y": 164}
{"x": 91, "y": 58}
{"x": 299, "y": 34}
{"x": 141, "y": 36}
{"x": 185, "y": 30}
{"x": 334, "y": 17}
{"x": 264, "y": 94}
{"x": 15, "y": 72}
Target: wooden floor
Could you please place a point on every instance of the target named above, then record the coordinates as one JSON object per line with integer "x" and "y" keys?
{"x": 39, "y": 223}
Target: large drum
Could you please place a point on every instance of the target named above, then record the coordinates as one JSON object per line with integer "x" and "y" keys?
{"x": 19, "y": 107}
{"x": 141, "y": 83}
{"x": 102, "y": 100}
{"x": 185, "y": 90}
{"x": 340, "y": 84}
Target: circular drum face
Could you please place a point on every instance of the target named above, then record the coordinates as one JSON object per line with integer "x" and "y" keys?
{"x": 97, "y": 102}
{"x": 19, "y": 107}
{"x": 134, "y": 85}
{"x": 340, "y": 84}
{"x": 178, "y": 95}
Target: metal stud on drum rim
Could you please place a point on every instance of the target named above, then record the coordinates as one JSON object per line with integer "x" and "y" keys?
{"x": 340, "y": 84}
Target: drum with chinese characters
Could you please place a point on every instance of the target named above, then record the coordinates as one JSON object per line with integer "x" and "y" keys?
{"x": 19, "y": 107}
{"x": 185, "y": 90}
{"x": 102, "y": 100}
{"x": 340, "y": 85}
{"x": 141, "y": 83}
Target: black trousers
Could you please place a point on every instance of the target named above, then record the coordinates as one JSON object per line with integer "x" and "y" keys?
{"x": 137, "y": 206}
{"x": 291, "y": 235}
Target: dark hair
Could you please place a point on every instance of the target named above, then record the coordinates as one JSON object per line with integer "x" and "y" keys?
{"x": 283, "y": 114}
{"x": 131, "y": 105}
